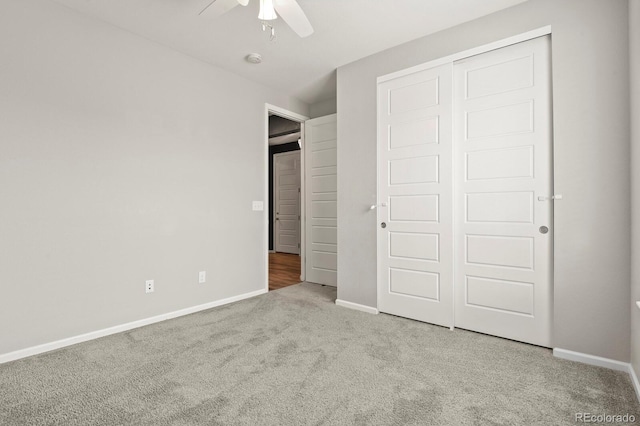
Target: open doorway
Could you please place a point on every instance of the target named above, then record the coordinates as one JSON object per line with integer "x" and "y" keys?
{"x": 285, "y": 133}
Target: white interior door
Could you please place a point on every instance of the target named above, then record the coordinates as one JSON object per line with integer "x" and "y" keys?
{"x": 286, "y": 167}
{"x": 502, "y": 135}
{"x": 415, "y": 241}
{"x": 321, "y": 189}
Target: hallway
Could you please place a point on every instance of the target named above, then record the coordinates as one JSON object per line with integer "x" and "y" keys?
{"x": 284, "y": 270}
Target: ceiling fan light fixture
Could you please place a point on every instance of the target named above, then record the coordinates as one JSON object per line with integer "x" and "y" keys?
{"x": 267, "y": 11}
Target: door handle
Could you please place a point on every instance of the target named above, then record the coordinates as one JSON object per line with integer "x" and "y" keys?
{"x": 383, "y": 225}
{"x": 550, "y": 198}
{"x": 373, "y": 206}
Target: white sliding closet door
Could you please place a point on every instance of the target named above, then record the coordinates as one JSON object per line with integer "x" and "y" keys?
{"x": 465, "y": 186}
{"x": 414, "y": 190}
{"x": 321, "y": 189}
{"x": 503, "y": 225}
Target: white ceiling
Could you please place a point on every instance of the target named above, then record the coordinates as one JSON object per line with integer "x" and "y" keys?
{"x": 345, "y": 30}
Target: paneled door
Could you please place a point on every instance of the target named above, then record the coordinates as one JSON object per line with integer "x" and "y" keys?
{"x": 286, "y": 167}
{"x": 321, "y": 189}
{"x": 415, "y": 241}
{"x": 503, "y": 219}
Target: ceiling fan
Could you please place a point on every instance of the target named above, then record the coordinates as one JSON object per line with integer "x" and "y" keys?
{"x": 289, "y": 10}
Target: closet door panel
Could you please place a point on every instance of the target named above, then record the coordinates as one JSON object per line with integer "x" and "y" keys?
{"x": 415, "y": 251}
{"x": 503, "y": 217}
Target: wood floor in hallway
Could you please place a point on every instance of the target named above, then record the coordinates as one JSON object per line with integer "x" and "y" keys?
{"x": 284, "y": 270}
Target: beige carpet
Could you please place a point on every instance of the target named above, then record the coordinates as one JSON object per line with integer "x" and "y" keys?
{"x": 292, "y": 357}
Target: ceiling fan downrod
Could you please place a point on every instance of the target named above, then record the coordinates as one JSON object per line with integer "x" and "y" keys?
{"x": 267, "y": 26}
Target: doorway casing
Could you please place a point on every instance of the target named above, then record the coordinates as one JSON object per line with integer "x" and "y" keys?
{"x": 290, "y": 115}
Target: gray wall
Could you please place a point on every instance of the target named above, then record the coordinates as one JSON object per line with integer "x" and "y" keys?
{"x": 634, "y": 50}
{"x": 120, "y": 161}
{"x": 322, "y": 108}
{"x": 591, "y": 137}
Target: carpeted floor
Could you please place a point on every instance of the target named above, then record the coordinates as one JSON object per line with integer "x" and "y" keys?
{"x": 292, "y": 357}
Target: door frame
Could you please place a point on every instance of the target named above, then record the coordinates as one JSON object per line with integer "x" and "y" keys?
{"x": 275, "y": 196}
{"x": 529, "y": 35}
{"x": 293, "y": 116}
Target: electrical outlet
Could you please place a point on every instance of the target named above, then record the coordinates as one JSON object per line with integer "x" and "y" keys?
{"x": 149, "y": 286}
{"x": 202, "y": 277}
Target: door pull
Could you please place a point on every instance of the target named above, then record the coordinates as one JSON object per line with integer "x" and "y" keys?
{"x": 553, "y": 197}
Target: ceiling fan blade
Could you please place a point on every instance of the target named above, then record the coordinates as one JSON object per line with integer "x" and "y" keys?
{"x": 291, "y": 12}
{"x": 219, "y": 7}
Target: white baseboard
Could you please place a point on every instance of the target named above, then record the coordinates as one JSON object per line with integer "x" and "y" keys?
{"x": 611, "y": 364}
{"x": 601, "y": 362}
{"x": 34, "y": 350}
{"x": 634, "y": 380}
{"x": 356, "y": 306}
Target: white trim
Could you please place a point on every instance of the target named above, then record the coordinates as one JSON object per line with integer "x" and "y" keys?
{"x": 468, "y": 53}
{"x": 272, "y": 251}
{"x": 303, "y": 223}
{"x": 634, "y": 380}
{"x": 598, "y": 361}
{"x": 35, "y": 350}
{"x": 301, "y": 119}
{"x": 379, "y": 268}
{"x": 285, "y": 113}
{"x": 356, "y": 306}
